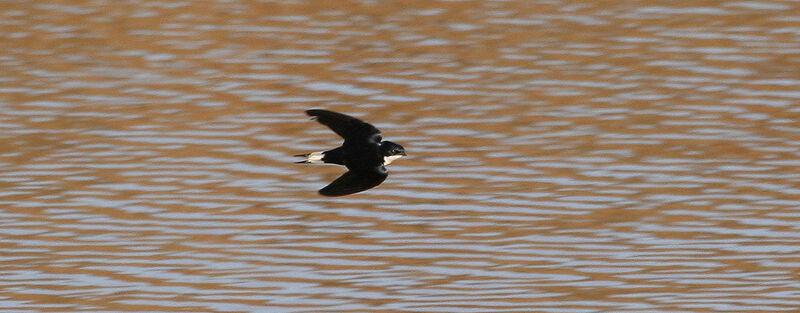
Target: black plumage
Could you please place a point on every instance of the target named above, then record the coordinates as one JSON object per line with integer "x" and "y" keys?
{"x": 363, "y": 153}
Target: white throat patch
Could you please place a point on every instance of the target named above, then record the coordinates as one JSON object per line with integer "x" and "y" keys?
{"x": 389, "y": 159}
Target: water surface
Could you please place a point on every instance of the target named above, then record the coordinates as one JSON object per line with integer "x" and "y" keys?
{"x": 565, "y": 156}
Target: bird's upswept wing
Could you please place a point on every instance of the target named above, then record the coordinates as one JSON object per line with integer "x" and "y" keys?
{"x": 348, "y": 127}
{"x": 354, "y": 181}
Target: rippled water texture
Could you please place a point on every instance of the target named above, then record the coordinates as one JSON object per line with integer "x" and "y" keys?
{"x": 564, "y": 156}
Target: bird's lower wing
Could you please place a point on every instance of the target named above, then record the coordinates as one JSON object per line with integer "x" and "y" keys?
{"x": 353, "y": 182}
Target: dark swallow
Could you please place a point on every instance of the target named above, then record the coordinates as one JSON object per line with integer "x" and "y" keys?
{"x": 363, "y": 153}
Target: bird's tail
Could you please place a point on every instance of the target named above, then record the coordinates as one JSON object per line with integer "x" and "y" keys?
{"x": 313, "y": 157}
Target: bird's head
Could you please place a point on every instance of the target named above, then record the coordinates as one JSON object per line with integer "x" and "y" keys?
{"x": 391, "y": 151}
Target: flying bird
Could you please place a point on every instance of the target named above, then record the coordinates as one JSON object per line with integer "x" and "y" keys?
{"x": 363, "y": 153}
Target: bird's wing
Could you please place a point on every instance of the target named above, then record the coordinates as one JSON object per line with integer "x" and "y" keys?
{"x": 354, "y": 181}
{"x": 348, "y": 127}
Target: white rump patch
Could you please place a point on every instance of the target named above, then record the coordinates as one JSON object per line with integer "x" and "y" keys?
{"x": 389, "y": 159}
{"x": 315, "y": 157}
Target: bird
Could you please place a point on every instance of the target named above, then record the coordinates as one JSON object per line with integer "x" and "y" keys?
{"x": 364, "y": 153}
